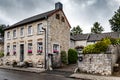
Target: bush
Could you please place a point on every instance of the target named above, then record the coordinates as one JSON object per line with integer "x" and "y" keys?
{"x": 98, "y": 47}
{"x": 89, "y": 49}
{"x": 1, "y": 54}
{"x": 72, "y": 56}
{"x": 63, "y": 57}
{"x": 14, "y": 64}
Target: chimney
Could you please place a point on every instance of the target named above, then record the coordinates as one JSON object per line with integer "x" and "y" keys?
{"x": 58, "y": 5}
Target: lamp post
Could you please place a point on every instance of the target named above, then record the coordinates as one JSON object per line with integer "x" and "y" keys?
{"x": 45, "y": 48}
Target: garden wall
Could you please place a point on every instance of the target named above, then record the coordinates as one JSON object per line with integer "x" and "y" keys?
{"x": 96, "y": 64}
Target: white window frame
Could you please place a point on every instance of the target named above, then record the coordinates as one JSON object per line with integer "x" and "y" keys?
{"x": 8, "y": 35}
{"x": 14, "y": 33}
{"x": 39, "y": 47}
{"x": 30, "y": 31}
{"x": 22, "y": 33}
{"x": 39, "y": 28}
{"x": 57, "y": 49}
{"x": 30, "y": 46}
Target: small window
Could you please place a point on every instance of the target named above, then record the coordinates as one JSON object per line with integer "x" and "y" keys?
{"x": 29, "y": 30}
{"x": 57, "y": 16}
{"x": 21, "y": 31}
{"x": 40, "y": 30}
{"x": 55, "y": 48}
{"x": 8, "y": 35}
{"x": 14, "y": 33}
{"x": 14, "y": 49}
{"x": 29, "y": 47}
{"x": 39, "y": 47}
{"x": 63, "y": 20}
{"x": 8, "y": 50}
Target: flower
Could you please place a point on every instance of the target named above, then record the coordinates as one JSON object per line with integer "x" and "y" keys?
{"x": 14, "y": 52}
{"x": 29, "y": 51}
{"x": 39, "y": 51}
{"x": 55, "y": 51}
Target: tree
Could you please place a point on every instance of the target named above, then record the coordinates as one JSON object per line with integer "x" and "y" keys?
{"x": 2, "y": 26}
{"x": 76, "y": 30}
{"x": 115, "y": 21}
{"x": 97, "y": 29}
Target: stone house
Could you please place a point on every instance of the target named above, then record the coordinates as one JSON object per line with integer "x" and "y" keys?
{"x": 86, "y": 39}
{"x": 37, "y": 38}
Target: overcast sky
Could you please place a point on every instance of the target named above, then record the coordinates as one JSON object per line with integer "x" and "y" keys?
{"x": 78, "y": 12}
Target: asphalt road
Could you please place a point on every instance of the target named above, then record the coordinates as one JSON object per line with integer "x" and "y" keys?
{"x": 20, "y": 75}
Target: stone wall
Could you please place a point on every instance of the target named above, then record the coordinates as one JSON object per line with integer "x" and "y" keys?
{"x": 96, "y": 64}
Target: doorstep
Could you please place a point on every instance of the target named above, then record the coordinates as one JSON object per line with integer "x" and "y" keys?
{"x": 29, "y": 69}
{"x": 93, "y": 77}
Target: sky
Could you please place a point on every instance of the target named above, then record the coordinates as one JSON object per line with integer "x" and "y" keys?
{"x": 78, "y": 12}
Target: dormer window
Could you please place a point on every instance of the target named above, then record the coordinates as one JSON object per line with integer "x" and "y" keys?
{"x": 57, "y": 16}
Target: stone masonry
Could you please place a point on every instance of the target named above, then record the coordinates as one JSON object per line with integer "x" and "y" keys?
{"x": 96, "y": 64}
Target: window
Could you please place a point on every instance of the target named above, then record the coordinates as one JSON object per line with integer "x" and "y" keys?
{"x": 30, "y": 30}
{"x": 39, "y": 47}
{"x": 14, "y": 33}
{"x": 14, "y": 49}
{"x": 40, "y": 28}
{"x": 21, "y": 31}
{"x": 63, "y": 20}
{"x": 57, "y": 16}
{"x": 55, "y": 48}
{"x": 8, "y": 50}
{"x": 8, "y": 35}
{"x": 29, "y": 47}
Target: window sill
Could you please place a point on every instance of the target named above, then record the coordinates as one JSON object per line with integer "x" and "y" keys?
{"x": 30, "y": 35}
{"x": 14, "y": 37}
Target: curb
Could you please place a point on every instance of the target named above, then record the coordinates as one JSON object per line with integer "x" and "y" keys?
{"x": 24, "y": 70}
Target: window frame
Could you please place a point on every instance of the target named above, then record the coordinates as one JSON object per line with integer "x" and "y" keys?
{"x": 39, "y": 47}
{"x": 8, "y": 35}
{"x": 14, "y": 33}
{"x": 22, "y": 33}
{"x": 30, "y": 32}
{"x": 38, "y": 28}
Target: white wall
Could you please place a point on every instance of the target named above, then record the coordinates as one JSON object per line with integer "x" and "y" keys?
{"x": 81, "y": 43}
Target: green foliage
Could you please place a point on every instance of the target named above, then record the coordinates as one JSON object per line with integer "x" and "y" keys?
{"x": 2, "y": 26}
{"x": 76, "y": 30}
{"x": 97, "y": 29}
{"x": 98, "y": 47}
{"x": 113, "y": 41}
{"x": 1, "y": 54}
{"x": 72, "y": 56}
{"x": 115, "y": 21}
{"x": 89, "y": 49}
{"x": 63, "y": 57}
{"x": 118, "y": 41}
{"x": 107, "y": 40}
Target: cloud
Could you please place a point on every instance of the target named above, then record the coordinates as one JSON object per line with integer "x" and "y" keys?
{"x": 78, "y": 12}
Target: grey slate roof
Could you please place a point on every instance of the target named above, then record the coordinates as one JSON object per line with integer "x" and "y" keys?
{"x": 34, "y": 18}
{"x": 95, "y": 37}
{"x": 81, "y": 37}
{"x": 98, "y": 37}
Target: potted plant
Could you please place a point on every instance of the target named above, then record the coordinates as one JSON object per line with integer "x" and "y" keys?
{"x": 14, "y": 52}
{"x": 55, "y": 51}
{"x": 29, "y": 51}
{"x": 39, "y": 51}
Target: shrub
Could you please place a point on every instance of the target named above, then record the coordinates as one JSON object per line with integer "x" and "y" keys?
{"x": 89, "y": 49}
{"x": 72, "y": 56}
{"x": 107, "y": 40}
{"x": 63, "y": 57}
{"x": 118, "y": 41}
{"x": 113, "y": 41}
{"x": 14, "y": 64}
{"x": 1, "y": 54}
{"x": 101, "y": 46}
{"x": 98, "y": 47}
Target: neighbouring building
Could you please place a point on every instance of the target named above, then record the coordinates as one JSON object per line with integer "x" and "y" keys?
{"x": 35, "y": 38}
{"x": 86, "y": 39}
{"x": 1, "y": 44}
